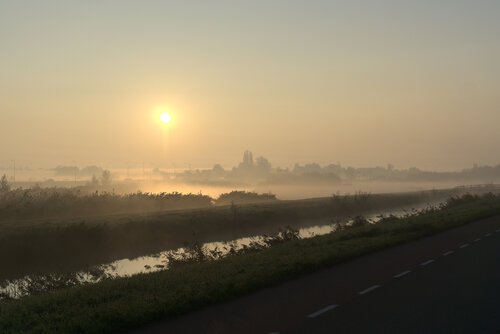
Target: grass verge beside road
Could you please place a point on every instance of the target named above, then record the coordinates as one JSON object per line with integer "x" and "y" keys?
{"x": 127, "y": 303}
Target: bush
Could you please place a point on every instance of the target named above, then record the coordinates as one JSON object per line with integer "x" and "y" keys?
{"x": 238, "y": 197}
{"x": 461, "y": 199}
{"x": 4, "y": 184}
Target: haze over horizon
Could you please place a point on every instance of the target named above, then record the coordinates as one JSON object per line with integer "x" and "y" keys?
{"x": 364, "y": 84}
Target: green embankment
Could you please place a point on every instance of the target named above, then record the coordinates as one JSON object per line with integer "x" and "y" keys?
{"x": 122, "y": 304}
{"x": 62, "y": 244}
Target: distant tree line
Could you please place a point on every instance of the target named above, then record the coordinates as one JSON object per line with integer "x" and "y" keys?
{"x": 260, "y": 170}
{"x": 75, "y": 171}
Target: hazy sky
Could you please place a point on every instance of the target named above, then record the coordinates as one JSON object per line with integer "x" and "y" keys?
{"x": 415, "y": 83}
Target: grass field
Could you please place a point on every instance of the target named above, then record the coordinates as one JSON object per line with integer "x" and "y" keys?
{"x": 122, "y": 304}
{"x": 69, "y": 244}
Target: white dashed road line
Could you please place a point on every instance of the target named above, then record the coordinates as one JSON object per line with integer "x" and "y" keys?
{"x": 402, "y": 274}
{"x": 427, "y": 262}
{"x": 373, "y": 287}
{"x": 323, "y": 310}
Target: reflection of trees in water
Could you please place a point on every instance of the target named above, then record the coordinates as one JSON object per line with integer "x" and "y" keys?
{"x": 35, "y": 284}
{"x": 197, "y": 252}
{"x": 191, "y": 253}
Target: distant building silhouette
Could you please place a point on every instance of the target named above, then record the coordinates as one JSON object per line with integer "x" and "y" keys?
{"x": 247, "y": 159}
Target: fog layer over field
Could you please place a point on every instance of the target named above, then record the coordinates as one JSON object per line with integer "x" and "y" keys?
{"x": 251, "y": 174}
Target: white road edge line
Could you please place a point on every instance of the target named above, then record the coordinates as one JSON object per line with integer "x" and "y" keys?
{"x": 427, "y": 262}
{"x": 487, "y": 235}
{"x": 448, "y": 253}
{"x": 323, "y": 310}
{"x": 274, "y": 333}
{"x": 477, "y": 239}
{"x": 373, "y": 287}
{"x": 464, "y": 245}
{"x": 402, "y": 274}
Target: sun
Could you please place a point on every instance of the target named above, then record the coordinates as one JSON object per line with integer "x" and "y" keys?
{"x": 165, "y": 117}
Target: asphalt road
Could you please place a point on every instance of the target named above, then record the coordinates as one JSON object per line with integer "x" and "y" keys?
{"x": 446, "y": 283}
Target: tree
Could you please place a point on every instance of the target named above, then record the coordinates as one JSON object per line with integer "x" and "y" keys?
{"x": 218, "y": 170}
{"x": 4, "y": 184}
{"x": 106, "y": 178}
{"x": 93, "y": 183}
{"x": 263, "y": 165}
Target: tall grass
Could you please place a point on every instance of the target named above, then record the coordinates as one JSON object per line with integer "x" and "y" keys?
{"x": 50, "y": 202}
{"x": 122, "y": 304}
{"x": 63, "y": 244}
